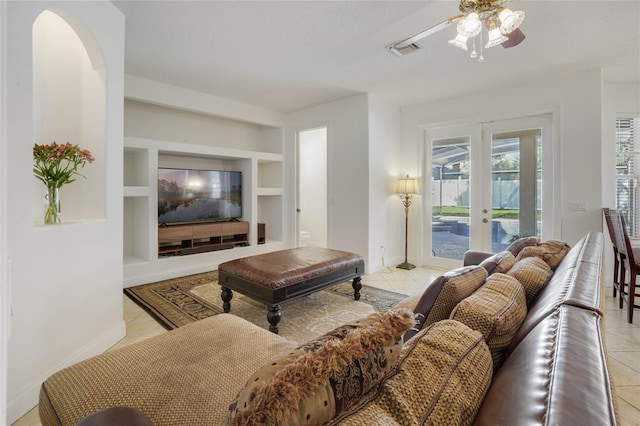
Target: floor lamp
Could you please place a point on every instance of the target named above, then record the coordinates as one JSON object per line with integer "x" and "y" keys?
{"x": 406, "y": 188}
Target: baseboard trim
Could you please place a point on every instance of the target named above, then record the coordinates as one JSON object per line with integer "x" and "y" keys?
{"x": 28, "y": 399}
{"x": 167, "y": 274}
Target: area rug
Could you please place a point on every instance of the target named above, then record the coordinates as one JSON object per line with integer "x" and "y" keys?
{"x": 180, "y": 301}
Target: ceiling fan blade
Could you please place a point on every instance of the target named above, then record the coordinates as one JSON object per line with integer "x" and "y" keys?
{"x": 515, "y": 38}
{"x": 442, "y": 25}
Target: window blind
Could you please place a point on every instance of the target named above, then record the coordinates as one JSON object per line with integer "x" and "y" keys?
{"x": 628, "y": 171}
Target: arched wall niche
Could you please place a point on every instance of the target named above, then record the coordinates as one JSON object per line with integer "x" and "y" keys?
{"x": 69, "y": 105}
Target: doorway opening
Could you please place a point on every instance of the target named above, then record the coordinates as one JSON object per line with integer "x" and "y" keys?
{"x": 312, "y": 187}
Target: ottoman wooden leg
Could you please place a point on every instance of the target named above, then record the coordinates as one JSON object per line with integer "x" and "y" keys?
{"x": 226, "y": 297}
{"x": 357, "y": 285}
{"x": 273, "y": 316}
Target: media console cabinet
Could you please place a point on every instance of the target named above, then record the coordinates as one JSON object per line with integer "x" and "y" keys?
{"x": 201, "y": 237}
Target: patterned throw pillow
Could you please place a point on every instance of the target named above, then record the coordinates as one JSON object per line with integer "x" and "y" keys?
{"x": 325, "y": 376}
{"x": 533, "y": 273}
{"x": 516, "y": 247}
{"x": 499, "y": 262}
{"x": 442, "y": 377}
{"x": 497, "y": 310}
{"x": 551, "y": 251}
{"x": 443, "y": 294}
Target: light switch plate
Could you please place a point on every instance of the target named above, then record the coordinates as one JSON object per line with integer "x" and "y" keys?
{"x": 577, "y": 206}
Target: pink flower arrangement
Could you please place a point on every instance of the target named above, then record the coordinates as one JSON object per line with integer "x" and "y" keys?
{"x": 57, "y": 164}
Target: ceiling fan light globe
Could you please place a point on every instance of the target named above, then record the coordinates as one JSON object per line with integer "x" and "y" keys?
{"x": 495, "y": 38}
{"x": 460, "y": 42}
{"x": 470, "y": 25}
{"x": 510, "y": 20}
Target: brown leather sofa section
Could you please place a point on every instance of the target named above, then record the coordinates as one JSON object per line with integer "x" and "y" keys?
{"x": 557, "y": 375}
{"x": 556, "y": 370}
{"x": 576, "y": 281}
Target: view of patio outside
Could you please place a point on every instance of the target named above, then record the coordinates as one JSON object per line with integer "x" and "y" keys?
{"x": 450, "y": 198}
{"x": 450, "y": 224}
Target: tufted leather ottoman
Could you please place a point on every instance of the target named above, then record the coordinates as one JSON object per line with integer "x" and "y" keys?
{"x": 275, "y": 277}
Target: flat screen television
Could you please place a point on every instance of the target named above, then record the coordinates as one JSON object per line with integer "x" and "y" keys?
{"x": 186, "y": 195}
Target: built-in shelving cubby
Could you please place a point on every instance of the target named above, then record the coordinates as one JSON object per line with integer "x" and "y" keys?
{"x": 136, "y": 167}
{"x": 269, "y": 174}
{"x": 136, "y": 230}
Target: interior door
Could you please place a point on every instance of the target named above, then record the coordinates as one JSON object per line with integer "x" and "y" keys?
{"x": 487, "y": 187}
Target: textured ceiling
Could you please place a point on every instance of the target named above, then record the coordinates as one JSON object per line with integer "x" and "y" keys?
{"x": 288, "y": 55}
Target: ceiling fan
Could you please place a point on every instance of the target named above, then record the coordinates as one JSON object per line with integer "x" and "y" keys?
{"x": 501, "y": 23}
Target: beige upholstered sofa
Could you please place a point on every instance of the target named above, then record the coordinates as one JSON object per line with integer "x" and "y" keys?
{"x": 511, "y": 353}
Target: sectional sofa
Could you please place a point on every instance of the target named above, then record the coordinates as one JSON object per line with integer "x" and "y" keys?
{"x": 514, "y": 340}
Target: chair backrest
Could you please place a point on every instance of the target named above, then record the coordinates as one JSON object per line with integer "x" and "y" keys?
{"x": 612, "y": 234}
{"x": 619, "y": 234}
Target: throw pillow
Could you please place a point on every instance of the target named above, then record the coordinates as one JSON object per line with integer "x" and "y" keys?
{"x": 499, "y": 262}
{"x": 443, "y": 294}
{"x": 497, "y": 310}
{"x": 533, "y": 273}
{"x": 551, "y": 251}
{"x": 442, "y": 377}
{"x": 516, "y": 247}
{"x": 325, "y": 376}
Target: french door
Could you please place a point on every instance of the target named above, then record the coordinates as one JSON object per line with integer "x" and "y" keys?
{"x": 484, "y": 186}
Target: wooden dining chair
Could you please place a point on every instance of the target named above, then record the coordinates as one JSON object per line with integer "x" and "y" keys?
{"x": 629, "y": 258}
{"x": 617, "y": 263}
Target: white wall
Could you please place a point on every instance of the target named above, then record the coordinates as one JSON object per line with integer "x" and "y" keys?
{"x": 348, "y": 169}
{"x": 5, "y": 317}
{"x": 386, "y": 212}
{"x": 144, "y": 120}
{"x": 578, "y": 99}
{"x": 617, "y": 99}
{"x": 66, "y": 280}
{"x": 141, "y": 89}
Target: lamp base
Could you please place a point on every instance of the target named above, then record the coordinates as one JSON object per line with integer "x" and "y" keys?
{"x": 406, "y": 265}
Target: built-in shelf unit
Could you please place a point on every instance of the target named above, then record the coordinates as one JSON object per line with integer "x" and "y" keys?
{"x": 262, "y": 202}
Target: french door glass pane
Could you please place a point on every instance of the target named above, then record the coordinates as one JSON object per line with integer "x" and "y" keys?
{"x": 515, "y": 187}
{"x": 450, "y": 165}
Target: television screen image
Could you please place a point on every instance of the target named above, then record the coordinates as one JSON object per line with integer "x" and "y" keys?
{"x": 198, "y": 195}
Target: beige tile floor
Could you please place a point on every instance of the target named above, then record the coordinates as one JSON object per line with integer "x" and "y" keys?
{"x": 622, "y": 338}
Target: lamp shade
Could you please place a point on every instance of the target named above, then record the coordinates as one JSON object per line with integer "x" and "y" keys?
{"x": 470, "y": 25}
{"x": 460, "y": 41}
{"x": 407, "y": 185}
{"x": 510, "y": 20}
{"x": 495, "y": 38}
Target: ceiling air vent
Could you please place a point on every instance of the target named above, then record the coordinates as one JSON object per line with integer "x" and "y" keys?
{"x": 403, "y": 50}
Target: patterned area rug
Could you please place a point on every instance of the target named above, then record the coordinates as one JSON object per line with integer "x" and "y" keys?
{"x": 179, "y": 301}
